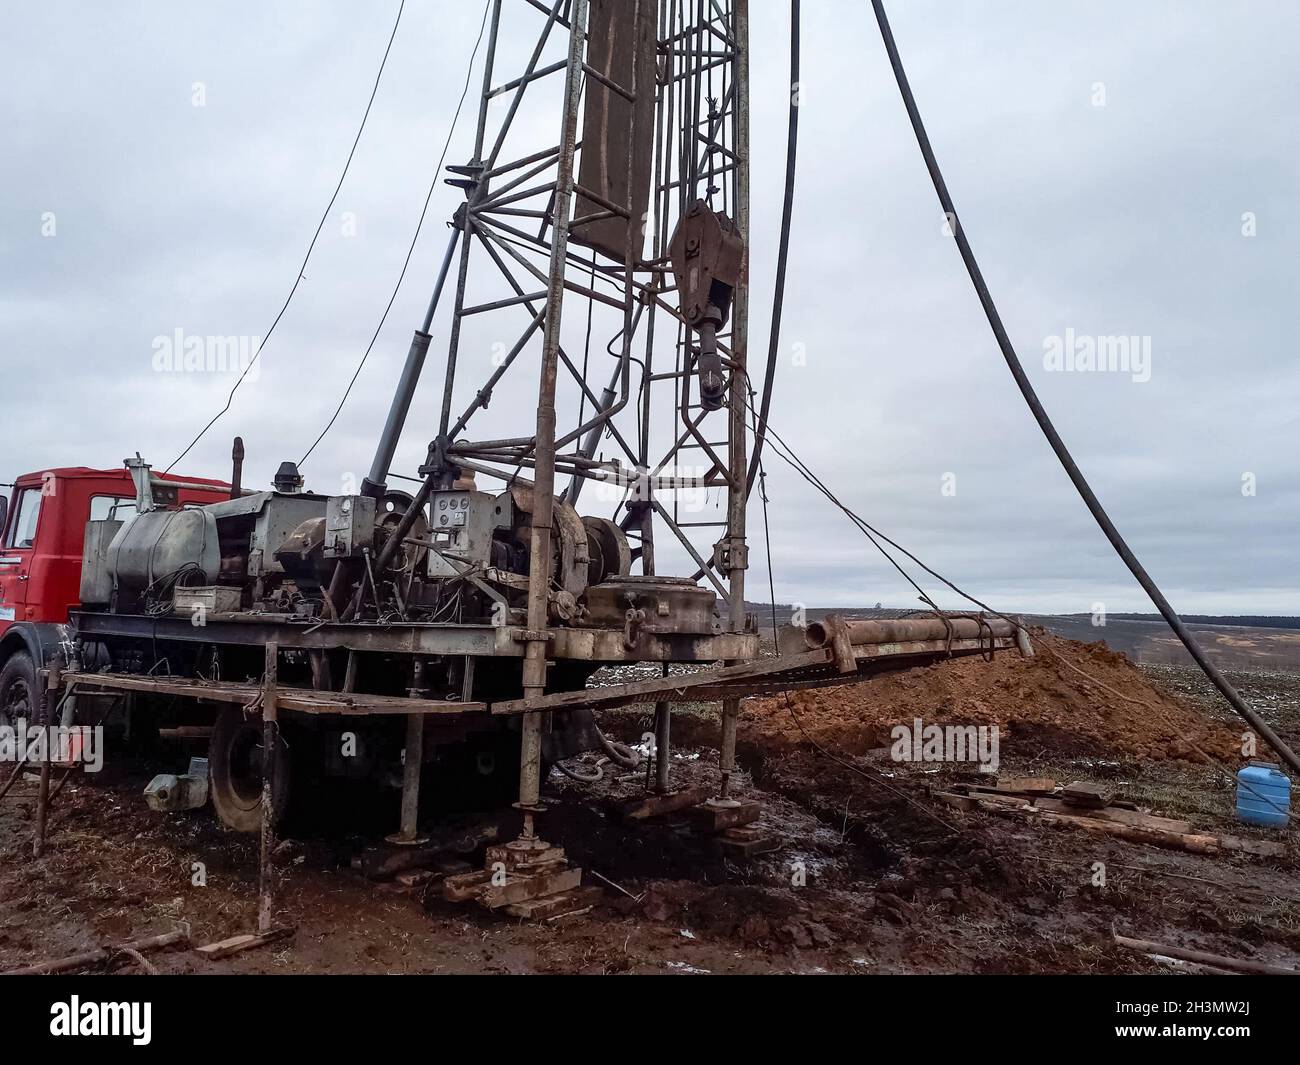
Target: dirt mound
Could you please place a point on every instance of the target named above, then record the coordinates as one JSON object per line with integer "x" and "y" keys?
{"x": 1070, "y": 698}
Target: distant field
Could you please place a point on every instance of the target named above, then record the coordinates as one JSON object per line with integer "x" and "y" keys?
{"x": 1264, "y": 643}
{"x": 1150, "y": 643}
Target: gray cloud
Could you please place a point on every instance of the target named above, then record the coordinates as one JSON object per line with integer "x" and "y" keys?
{"x": 1122, "y": 219}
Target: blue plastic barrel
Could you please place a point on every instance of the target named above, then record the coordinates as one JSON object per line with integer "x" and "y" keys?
{"x": 1263, "y": 795}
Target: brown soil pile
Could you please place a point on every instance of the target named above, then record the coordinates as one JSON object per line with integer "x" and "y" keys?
{"x": 1039, "y": 703}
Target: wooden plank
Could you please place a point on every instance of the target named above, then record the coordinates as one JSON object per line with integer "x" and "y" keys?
{"x": 1266, "y": 847}
{"x": 1026, "y": 785}
{"x": 221, "y": 693}
{"x": 464, "y": 886}
{"x": 362, "y": 705}
{"x": 1049, "y": 804}
{"x": 981, "y": 800}
{"x": 300, "y": 700}
{"x": 225, "y": 946}
{"x": 518, "y": 889}
{"x": 1086, "y": 793}
{"x": 1196, "y": 843}
{"x": 1125, "y": 824}
{"x": 657, "y": 805}
{"x": 717, "y": 817}
{"x": 238, "y": 944}
{"x": 1117, "y": 814}
{"x": 101, "y": 954}
{"x": 993, "y": 798}
{"x": 416, "y": 877}
{"x": 747, "y": 841}
{"x": 1201, "y": 957}
{"x": 543, "y": 909}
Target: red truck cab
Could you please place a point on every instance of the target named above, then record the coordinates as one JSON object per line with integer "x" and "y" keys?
{"x": 40, "y": 559}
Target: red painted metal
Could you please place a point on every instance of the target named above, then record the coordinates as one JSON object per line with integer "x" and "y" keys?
{"x": 42, "y": 582}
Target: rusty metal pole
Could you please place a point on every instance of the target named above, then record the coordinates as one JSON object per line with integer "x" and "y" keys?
{"x": 663, "y": 709}
{"x": 412, "y": 764}
{"x": 48, "y": 680}
{"x": 414, "y": 757}
{"x": 539, "y": 571}
{"x": 237, "y": 468}
{"x": 738, "y": 460}
{"x": 663, "y": 743}
{"x": 270, "y": 737}
{"x": 464, "y": 220}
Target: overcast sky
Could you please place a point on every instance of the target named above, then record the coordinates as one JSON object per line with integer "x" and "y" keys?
{"x": 1122, "y": 169}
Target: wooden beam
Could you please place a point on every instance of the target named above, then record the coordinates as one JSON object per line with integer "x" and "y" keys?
{"x": 1201, "y": 957}
{"x": 101, "y": 954}
{"x": 298, "y": 700}
{"x": 270, "y": 741}
{"x": 238, "y": 944}
{"x": 1126, "y": 824}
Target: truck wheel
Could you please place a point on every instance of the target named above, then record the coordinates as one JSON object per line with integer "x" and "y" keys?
{"x": 235, "y": 764}
{"x": 18, "y": 690}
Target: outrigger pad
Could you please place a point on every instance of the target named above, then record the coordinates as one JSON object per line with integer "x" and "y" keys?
{"x": 721, "y": 814}
{"x": 649, "y": 806}
{"x": 529, "y": 874}
{"x": 578, "y": 900}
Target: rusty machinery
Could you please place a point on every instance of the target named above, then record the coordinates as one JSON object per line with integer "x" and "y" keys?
{"x": 485, "y": 586}
{"x": 410, "y": 593}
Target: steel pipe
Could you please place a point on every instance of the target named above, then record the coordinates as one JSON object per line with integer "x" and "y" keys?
{"x": 907, "y": 630}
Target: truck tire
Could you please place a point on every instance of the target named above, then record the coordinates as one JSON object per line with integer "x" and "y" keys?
{"x": 18, "y": 690}
{"x": 235, "y": 766}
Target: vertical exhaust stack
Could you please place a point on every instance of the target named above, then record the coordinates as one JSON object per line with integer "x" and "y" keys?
{"x": 237, "y": 468}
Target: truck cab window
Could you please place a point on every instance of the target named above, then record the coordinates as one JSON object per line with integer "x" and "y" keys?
{"x": 111, "y": 508}
{"x": 27, "y": 512}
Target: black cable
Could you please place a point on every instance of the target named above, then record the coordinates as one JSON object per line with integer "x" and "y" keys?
{"x": 1045, "y": 423}
{"x": 410, "y": 250}
{"x": 873, "y": 776}
{"x": 315, "y": 236}
{"x": 787, "y": 455}
{"x": 767, "y": 543}
{"x": 767, "y": 540}
{"x": 783, "y": 253}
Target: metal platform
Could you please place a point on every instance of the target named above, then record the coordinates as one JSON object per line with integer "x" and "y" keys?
{"x": 504, "y": 641}
{"x": 785, "y": 672}
{"x": 817, "y": 667}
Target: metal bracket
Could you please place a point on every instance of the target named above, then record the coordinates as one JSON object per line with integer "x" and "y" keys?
{"x": 730, "y": 553}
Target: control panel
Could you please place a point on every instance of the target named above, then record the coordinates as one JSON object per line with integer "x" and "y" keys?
{"x": 349, "y": 526}
{"x": 460, "y": 527}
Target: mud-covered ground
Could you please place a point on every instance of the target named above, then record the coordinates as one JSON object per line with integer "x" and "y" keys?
{"x": 872, "y": 875}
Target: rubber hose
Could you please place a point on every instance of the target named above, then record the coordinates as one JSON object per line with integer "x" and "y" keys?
{"x": 1045, "y": 422}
